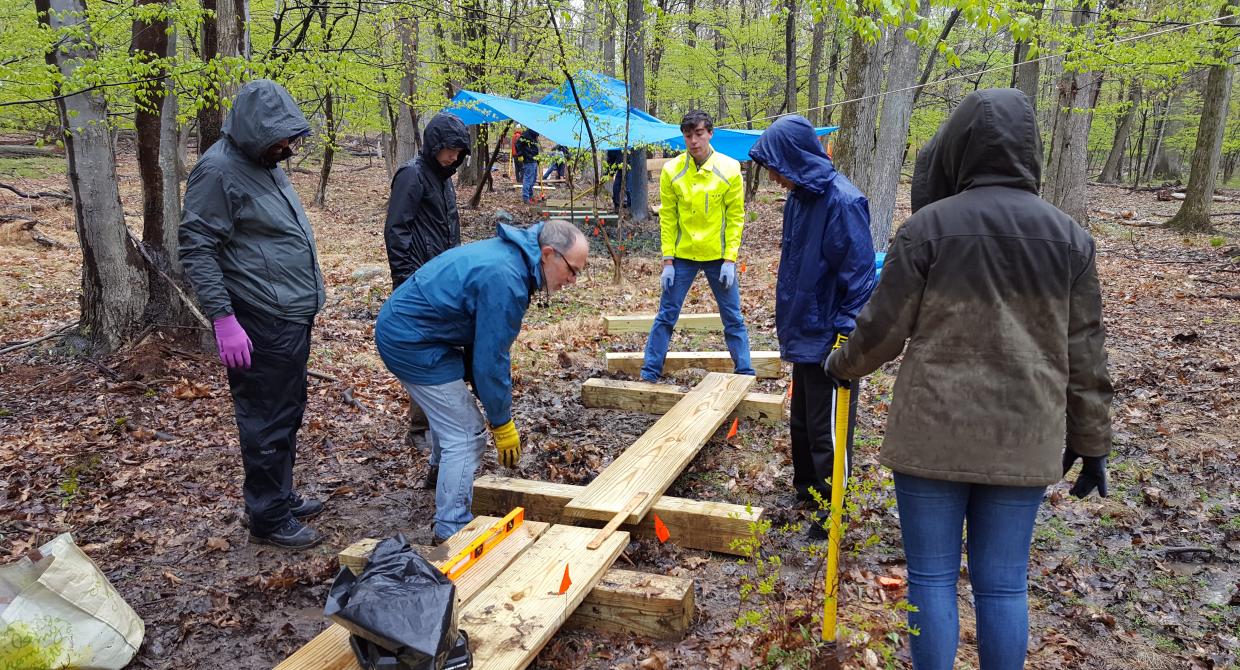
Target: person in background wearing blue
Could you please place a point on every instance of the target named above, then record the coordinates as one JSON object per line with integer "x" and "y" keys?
{"x": 615, "y": 166}
{"x": 471, "y": 298}
{"x": 996, "y": 292}
{"x": 527, "y": 152}
{"x": 826, "y": 274}
{"x": 559, "y": 162}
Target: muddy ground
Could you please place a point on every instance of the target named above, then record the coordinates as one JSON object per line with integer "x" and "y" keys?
{"x": 135, "y": 454}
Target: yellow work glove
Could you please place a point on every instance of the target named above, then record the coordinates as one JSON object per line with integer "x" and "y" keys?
{"x": 507, "y": 444}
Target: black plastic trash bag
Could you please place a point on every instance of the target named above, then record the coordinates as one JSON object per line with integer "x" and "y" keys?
{"x": 402, "y": 604}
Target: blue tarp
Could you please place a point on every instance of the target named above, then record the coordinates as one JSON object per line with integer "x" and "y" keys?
{"x": 604, "y": 98}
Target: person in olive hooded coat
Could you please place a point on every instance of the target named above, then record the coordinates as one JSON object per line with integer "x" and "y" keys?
{"x": 996, "y": 293}
{"x": 248, "y": 252}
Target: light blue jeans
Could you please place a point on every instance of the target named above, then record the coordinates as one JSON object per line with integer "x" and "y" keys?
{"x": 933, "y": 513}
{"x": 458, "y": 436}
{"x": 529, "y": 175}
{"x": 729, "y": 301}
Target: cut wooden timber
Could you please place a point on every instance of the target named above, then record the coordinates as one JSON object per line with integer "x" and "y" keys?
{"x": 660, "y": 398}
{"x": 765, "y": 363}
{"x": 641, "y": 323}
{"x": 693, "y": 524}
{"x": 616, "y": 520}
{"x": 657, "y": 458}
{"x": 511, "y": 620}
{"x": 330, "y": 649}
{"x": 625, "y": 601}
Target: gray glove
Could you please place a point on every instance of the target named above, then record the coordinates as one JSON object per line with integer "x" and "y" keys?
{"x": 727, "y": 274}
{"x": 668, "y": 277}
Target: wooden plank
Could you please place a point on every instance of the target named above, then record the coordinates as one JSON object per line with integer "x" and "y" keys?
{"x": 624, "y": 601}
{"x": 655, "y": 606}
{"x": 694, "y": 524}
{"x": 511, "y": 620}
{"x": 650, "y": 398}
{"x": 765, "y": 363}
{"x": 641, "y": 323}
{"x": 656, "y": 459}
{"x": 330, "y": 649}
{"x": 616, "y": 520}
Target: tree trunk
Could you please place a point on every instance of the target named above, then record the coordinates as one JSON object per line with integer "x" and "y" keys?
{"x": 635, "y": 45}
{"x": 1065, "y": 175}
{"x": 1156, "y": 147}
{"x": 609, "y": 43}
{"x": 814, "y": 111}
{"x": 790, "y": 57}
{"x": 1194, "y": 214}
{"x": 1115, "y": 158}
{"x": 211, "y": 115}
{"x": 171, "y": 167}
{"x": 114, "y": 288}
{"x": 1025, "y": 74}
{"x": 329, "y": 148}
{"x": 721, "y": 93}
{"x": 854, "y": 149}
{"x": 893, "y": 134}
{"x": 406, "y": 130}
{"x": 833, "y": 69}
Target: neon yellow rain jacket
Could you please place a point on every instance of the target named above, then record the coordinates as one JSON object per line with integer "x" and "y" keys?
{"x": 703, "y": 209}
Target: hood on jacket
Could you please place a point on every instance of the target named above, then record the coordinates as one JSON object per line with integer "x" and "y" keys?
{"x": 445, "y": 131}
{"x": 525, "y": 239}
{"x": 262, "y": 114}
{"x": 991, "y": 139}
{"x": 791, "y": 148}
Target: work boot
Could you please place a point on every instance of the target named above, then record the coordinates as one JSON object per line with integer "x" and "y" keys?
{"x": 432, "y": 478}
{"x": 304, "y": 508}
{"x": 292, "y": 534}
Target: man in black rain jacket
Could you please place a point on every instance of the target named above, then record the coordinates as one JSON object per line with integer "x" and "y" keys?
{"x": 248, "y": 252}
{"x": 422, "y": 218}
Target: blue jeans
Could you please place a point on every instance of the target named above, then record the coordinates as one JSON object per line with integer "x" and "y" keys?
{"x": 529, "y": 174}
{"x": 729, "y": 301}
{"x": 457, "y": 436}
{"x": 1000, "y": 528}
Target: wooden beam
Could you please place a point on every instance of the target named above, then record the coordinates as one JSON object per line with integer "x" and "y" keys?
{"x": 765, "y": 363}
{"x": 660, "y": 398}
{"x": 625, "y": 601}
{"x": 511, "y": 620}
{"x": 641, "y": 323}
{"x": 330, "y": 650}
{"x": 693, "y": 524}
{"x": 657, "y": 458}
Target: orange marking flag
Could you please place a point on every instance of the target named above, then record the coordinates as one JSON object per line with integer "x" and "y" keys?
{"x": 565, "y": 582}
{"x": 660, "y": 530}
{"x": 732, "y": 431}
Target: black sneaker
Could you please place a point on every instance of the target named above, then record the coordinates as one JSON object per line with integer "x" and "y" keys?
{"x": 432, "y": 478}
{"x": 292, "y": 534}
{"x": 304, "y": 508}
{"x": 818, "y": 525}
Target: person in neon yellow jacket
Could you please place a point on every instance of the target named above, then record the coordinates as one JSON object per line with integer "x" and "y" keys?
{"x": 701, "y": 221}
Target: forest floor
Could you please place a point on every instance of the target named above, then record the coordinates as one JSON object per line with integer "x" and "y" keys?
{"x": 135, "y": 454}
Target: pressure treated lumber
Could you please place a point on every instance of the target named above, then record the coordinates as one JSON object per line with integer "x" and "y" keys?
{"x": 655, "y": 460}
{"x": 660, "y": 398}
{"x": 624, "y": 601}
{"x": 330, "y": 650}
{"x": 641, "y": 323}
{"x": 517, "y": 614}
{"x": 765, "y": 363}
{"x": 693, "y": 524}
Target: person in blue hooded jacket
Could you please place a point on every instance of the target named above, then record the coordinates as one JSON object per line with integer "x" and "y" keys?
{"x": 826, "y": 275}
{"x": 472, "y": 297}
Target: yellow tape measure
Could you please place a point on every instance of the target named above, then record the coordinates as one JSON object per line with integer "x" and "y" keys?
{"x": 467, "y": 557}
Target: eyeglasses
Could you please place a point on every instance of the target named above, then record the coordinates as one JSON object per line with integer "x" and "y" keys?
{"x": 572, "y": 270}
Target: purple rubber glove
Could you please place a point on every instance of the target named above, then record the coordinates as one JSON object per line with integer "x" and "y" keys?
{"x": 233, "y": 343}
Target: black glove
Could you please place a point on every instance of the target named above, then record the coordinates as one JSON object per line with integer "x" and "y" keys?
{"x": 1093, "y": 473}
{"x": 840, "y": 382}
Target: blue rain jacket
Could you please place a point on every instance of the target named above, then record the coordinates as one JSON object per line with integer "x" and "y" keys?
{"x": 826, "y": 264}
{"x": 473, "y": 296}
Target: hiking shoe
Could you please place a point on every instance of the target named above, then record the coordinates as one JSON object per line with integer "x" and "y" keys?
{"x": 292, "y": 534}
{"x": 436, "y": 540}
{"x": 432, "y": 478}
{"x": 817, "y": 531}
{"x": 304, "y": 508}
